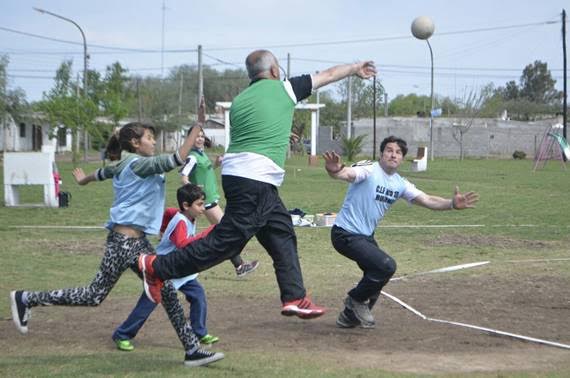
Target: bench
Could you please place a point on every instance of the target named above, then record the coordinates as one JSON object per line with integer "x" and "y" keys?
{"x": 419, "y": 164}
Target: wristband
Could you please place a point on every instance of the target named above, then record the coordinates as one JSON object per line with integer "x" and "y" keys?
{"x": 452, "y": 204}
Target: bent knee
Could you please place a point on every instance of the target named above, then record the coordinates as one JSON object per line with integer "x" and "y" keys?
{"x": 385, "y": 269}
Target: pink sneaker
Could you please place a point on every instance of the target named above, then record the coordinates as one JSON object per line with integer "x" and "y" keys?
{"x": 302, "y": 308}
{"x": 152, "y": 284}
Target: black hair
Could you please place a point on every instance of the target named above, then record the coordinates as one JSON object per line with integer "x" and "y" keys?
{"x": 392, "y": 139}
{"x": 207, "y": 141}
{"x": 113, "y": 149}
{"x": 188, "y": 193}
{"x": 122, "y": 140}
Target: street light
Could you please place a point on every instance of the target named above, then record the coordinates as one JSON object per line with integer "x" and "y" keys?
{"x": 85, "y": 57}
{"x": 423, "y": 28}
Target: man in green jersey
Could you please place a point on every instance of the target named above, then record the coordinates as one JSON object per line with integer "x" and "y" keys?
{"x": 252, "y": 170}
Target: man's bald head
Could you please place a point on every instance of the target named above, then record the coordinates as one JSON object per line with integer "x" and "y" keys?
{"x": 260, "y": 64}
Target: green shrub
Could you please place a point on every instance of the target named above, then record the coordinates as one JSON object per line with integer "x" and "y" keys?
{"x": 519, "y": 155}
{"x": 352, "y": 146}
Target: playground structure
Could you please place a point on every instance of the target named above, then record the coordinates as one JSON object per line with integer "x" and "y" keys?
{"x": 553, "y": 146}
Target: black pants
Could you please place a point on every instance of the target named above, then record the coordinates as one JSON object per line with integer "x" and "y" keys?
{"x": 252, "y": 208}
{"x": 376, "y": 265}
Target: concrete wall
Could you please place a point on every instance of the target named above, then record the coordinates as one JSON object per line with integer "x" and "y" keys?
{"x": 485, "y": 138}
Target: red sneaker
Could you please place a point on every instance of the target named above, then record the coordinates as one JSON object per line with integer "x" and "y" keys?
{"x": 152, "y": 284}
{"x": 302, "y": 308}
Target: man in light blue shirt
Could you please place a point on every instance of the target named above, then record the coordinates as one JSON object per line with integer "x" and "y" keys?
{"x": 374, "y": 187}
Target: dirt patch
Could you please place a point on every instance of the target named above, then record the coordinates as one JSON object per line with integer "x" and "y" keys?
{"x": 401, "y": 341}
{"x": 489, "y": 241}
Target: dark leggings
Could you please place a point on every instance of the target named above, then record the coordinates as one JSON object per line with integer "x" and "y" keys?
{"x": 121, "y": 253}
{"x": 376, "y": 265}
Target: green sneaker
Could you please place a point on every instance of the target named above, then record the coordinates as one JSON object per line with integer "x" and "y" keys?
{"x": 125, "y": 345}
{"x": 209, "y": 339}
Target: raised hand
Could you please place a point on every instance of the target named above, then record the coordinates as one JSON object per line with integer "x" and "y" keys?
{"x": 332, "y": 161}
{"x": 366, "y": 70}
{"x": 80, "y": 176}
{"x": 464, "y": 200}
{"x": 202, "y": 112}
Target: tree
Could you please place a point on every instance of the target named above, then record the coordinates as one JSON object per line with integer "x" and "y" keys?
{"x": 116, "y": 96}
{"x": 63, "y": 105}
{"x": 411, "y": 104}
{"x": 12, "y": 101}
{"x": 535, "y": 95}
{"x": 473, "y": 103}
{"x": 537, "y": 84}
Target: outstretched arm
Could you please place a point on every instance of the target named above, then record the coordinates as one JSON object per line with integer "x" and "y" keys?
{"x": 336, "y": 169}
{"x": 459, "y": 201}
{"x": 81, "y": 178}
{"x": 363, "y": 70}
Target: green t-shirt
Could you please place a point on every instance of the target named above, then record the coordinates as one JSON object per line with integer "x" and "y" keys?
{"x": 261, "y": 117}
{"x": 203, "y": 175}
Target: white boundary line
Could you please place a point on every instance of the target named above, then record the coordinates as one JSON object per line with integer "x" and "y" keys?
{"x": 443, "y": 270}
{"x": 487, "y": 330}
{"x": 412, "y": 226}
{"x": 60, "y": 227}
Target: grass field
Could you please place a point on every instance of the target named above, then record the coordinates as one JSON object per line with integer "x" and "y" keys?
{"x": 522, "y": 215}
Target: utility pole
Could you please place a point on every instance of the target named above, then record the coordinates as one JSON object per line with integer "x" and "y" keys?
{"x": 200, "y": 79}
{"x": 564, "y": 107}
{"x": 162, "y": 40}
{"x": 385, "y": 104}
{"x": 139, "y": 99}
{"x": 349, "y": 108}
{"x": 288, "y": 65}
{"x": 374, "y": 118}
{"x": 317, "y": 113}
{"x": 180, "y": 92}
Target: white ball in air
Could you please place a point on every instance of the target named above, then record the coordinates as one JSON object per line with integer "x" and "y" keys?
{"x": 423, "y": 27}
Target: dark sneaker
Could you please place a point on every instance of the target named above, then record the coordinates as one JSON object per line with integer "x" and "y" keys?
{"x": 346, "y": 319}
{"x": 152, "y": 284}
{"x": 247, "y": 267}
{"x": 202, "y": 357}
{"x": 360, "y": 309}
{"x": 302, "y": 308}
{"x": 20, "y": 312}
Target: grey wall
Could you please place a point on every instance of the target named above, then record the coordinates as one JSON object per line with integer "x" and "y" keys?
{"x": 485, "y": 138}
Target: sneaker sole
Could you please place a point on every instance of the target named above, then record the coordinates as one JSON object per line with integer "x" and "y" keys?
{"x": 15, "y": 314}
{"x": 204, "y": 361}
{"x": 367, "y": 325}
{"x": 301, "y": 313}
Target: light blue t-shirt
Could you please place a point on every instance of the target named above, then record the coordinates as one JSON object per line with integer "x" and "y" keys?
{"x": 166, "y": 245}
{"x": 139, "y": 201}
{"x": 370, "y": 196}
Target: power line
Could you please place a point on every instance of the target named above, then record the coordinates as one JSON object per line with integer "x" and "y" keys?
{"x": 301, "y": 44}
{"x": 126, "y": 49}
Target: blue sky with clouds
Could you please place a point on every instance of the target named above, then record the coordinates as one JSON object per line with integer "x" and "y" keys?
{"x": 475, "y": 42}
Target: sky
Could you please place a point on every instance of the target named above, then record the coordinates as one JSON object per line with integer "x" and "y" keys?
{"x": 474, "y": 43}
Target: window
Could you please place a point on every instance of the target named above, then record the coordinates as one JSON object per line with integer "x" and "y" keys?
{"x": 22, "y": 130}
{"x": 62, "y": 137}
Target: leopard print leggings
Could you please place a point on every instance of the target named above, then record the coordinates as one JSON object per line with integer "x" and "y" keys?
{"x": 121, "y": 253}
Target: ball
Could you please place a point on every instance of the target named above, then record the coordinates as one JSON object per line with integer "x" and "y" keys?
{"x": 423, "y": 27}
